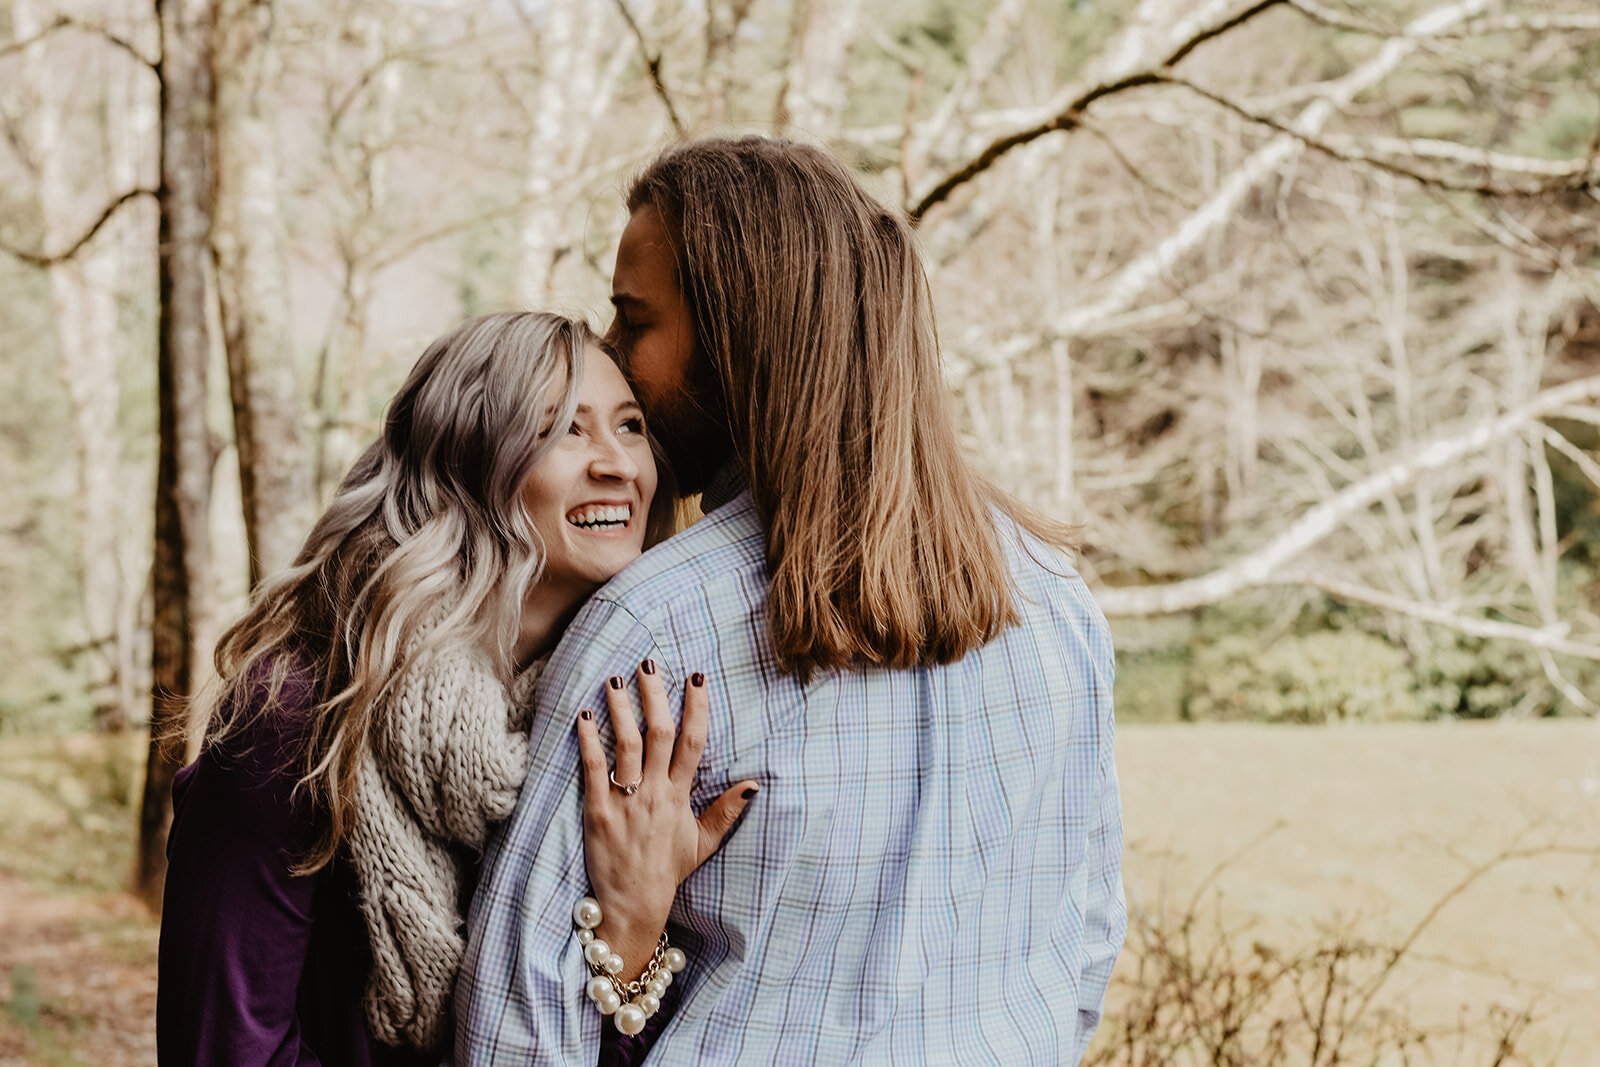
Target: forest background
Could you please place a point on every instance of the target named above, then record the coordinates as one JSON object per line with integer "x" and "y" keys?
{"x": 1294, "y": 305}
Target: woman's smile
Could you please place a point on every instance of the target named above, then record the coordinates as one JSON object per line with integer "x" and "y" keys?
{"x": 589, "y": 496}
{"x": 603, "y": 516}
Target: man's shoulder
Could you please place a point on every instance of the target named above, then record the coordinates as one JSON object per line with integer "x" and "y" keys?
{"x": 1049, "y": 587}
{"x": 722, "y": 554}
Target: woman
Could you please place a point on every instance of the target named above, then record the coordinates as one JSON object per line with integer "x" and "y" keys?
{"x": 371, "y": 719}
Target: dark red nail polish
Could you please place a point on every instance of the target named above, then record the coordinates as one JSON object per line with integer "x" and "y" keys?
{"x": 697, "y": 679}
{"x": 585, "y": 714}
{"x": 752, "y": 791}
{"x": 616, "y": 681}
{"x": 648, "y": 666}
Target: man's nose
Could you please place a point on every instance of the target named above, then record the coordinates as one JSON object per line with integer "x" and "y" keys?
{"x": 613, "y": 336}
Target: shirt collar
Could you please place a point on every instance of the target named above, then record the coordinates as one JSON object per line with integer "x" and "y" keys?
{"x": 727, "y": 483}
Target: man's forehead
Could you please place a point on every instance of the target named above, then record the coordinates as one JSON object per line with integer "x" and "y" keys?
{"x": 645, "y": 246}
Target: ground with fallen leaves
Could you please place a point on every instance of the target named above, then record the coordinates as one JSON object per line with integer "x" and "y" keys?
{"x": 77, "y": 978}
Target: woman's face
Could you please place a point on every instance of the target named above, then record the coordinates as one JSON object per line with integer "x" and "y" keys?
{"x": 589, "y": 498}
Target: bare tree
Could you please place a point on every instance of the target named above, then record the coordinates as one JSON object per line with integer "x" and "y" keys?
{"x": 252, "y": 283}
{"x": 580, "y": 70}
{"x": 816, "y": 82}
{"x": 84, "y": 263}
{"x": 181, "y": 575}
{"x": 1229, "y": 425}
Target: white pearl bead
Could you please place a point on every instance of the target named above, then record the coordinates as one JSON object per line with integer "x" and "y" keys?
{"x": 655, "y": 987}
{"x": 585, "y": 936}
{"x": 650, "y": 1003}
{"x": 609, "y": 1001}
{"x": 675, "y": 960}
{"x": 586, "y": 913}
{"x": 630, "y": 1019}
{"x": 596, "y": 951}
{"x": 598, "y": 987}
{"x": 664, "y": 976}
{"x": 613, "y": 964}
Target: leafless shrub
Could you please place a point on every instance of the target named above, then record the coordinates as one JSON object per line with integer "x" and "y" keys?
{"x": 1193, "y": 990}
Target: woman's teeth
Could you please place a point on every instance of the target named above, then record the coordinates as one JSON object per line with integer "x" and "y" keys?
{"x": 601, "y": 518}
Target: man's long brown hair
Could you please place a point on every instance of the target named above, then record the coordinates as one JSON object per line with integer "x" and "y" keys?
{"x": 811, "y": 305}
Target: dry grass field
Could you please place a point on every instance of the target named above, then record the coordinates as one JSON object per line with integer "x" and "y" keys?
{"x": 1349, "y": 833}
{"x": 1356, "y": 832}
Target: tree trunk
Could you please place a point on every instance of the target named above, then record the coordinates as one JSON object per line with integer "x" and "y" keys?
{"x": 576, "y": 86}
{"x": 816, "y": 84}
{"x": 181, "y": 569}
{"x": 83, "y": 297}
{"x": 363, "y": 138}
{"x": 253, "y": 287}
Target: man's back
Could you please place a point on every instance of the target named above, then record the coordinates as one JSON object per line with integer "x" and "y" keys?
{"x": 929, "y": 875}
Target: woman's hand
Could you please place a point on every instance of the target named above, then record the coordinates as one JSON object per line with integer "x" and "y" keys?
{"x": 640, "y": 844}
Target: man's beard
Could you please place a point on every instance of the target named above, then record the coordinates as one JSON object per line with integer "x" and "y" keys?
{"x": 691, "y": 426}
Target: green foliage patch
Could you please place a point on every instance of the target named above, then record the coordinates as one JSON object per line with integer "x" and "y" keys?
{"x": 1330, "y": 676}
{"x": 1242, "y": 662}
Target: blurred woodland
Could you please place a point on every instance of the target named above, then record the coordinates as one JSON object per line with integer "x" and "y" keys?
{"x": 1295, "y": 304}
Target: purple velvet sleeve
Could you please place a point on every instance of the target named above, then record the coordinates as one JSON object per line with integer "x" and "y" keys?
{"x": 236, "y": 925}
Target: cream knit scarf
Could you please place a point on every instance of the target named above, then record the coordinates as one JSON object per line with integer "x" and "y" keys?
{"x": 444, "y": 761}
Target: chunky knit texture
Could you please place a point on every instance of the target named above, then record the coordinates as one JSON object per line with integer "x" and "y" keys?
{"x": 444, "y": 761}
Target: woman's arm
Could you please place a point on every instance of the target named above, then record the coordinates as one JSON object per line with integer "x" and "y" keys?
{"x": 235, "y": 925}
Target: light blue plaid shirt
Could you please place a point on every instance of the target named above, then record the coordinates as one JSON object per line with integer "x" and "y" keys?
{"x": 931, "y": 872}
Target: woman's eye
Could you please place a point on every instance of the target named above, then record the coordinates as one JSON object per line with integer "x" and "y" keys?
{"x": 633, "y": 425}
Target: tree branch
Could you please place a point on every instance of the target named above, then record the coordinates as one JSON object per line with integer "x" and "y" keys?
{"x": 68, "y": 22}
{"x": 653, "y": 65}
{"x": 1338, "y": 20}
{"x": 1566, "y": 174}
{"x": 45, "y": 260}
{"x": 1265, "y": 565}
{"x": 1351, "y": 593}
{"x": 1467, "y": 156}
{"x": 1068, "y": 116}
{"x": 26, "y": 43}
{"x": 1131, "y": 281}
{"x": 1523, "y": 24}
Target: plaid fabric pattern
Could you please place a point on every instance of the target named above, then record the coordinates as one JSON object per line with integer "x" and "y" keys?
{"x": 931, "y": 872}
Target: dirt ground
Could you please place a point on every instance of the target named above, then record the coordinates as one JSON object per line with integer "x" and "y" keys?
{"x": 1342, "y": 829}
{"x": 77, "y": 979}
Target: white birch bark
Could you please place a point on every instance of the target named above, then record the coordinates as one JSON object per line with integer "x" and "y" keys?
{"x": 582, "y": 66}
{"x": 252, "y": 279}
{"x": 816, "y": 86}
{"x": 362, "y": 139}
{"x": 1133, "y": 283}
{"x": 1267, "y": 564}
{"x": 83, "y": 297}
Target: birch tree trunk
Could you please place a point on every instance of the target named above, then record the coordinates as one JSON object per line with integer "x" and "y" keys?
{"x": 722, "y": 22}
{"x": 253, "y": 287}
{"x": 83, "y": 297}
{"x": 361, "y": 140}
{"x": 556, "y": 141}
{"x": 181, "y": 570}
{"x": 814, "y": 97}
{"x": 582, "y": 67}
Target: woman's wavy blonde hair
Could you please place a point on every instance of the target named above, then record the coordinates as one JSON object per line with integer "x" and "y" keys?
{"x": 811, "y": 307}
{"x": 427, "y": 528}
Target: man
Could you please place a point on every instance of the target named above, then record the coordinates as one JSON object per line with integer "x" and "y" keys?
{"x": 931, "y": 870}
